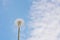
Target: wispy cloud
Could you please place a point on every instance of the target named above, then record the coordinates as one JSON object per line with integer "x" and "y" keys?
{"x": 5, "y": 4}
{"x": 44, "y": 18}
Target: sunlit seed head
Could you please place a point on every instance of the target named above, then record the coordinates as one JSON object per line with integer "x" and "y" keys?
{"x": 19, "y": 22}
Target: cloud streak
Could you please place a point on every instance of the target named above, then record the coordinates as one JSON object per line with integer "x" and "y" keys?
{"x": 44, "y": 19}
{"x": 5, "y": 4}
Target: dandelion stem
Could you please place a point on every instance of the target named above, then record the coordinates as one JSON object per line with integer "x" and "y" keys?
{"x": 19, "y": 33}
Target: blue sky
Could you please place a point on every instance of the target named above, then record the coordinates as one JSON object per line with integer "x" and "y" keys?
{"x": 9, "y": 11}
{"x": 41, "y": 17}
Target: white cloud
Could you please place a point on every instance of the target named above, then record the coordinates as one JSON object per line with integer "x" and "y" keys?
{"x": 4, "y": 2}
{"x": 45, "y": 21}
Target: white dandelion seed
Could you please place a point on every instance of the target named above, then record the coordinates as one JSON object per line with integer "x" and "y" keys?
{"x": 19, "y": 22}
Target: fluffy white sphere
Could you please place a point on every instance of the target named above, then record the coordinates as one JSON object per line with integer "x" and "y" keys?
{"x": 19, "y": 22}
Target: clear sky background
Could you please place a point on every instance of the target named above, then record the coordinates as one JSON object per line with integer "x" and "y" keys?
{"x": 9, "y": 11}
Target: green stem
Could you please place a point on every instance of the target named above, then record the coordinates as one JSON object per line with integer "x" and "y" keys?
{"x": 18, "y": 33}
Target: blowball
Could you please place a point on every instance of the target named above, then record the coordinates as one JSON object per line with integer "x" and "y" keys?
{"x": 19, "y": 22}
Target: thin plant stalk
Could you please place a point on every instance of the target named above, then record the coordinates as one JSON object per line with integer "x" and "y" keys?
{"x": 19, "y": 33}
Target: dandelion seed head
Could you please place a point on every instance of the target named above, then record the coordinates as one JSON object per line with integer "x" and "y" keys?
{"x": 19, "y": 22}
